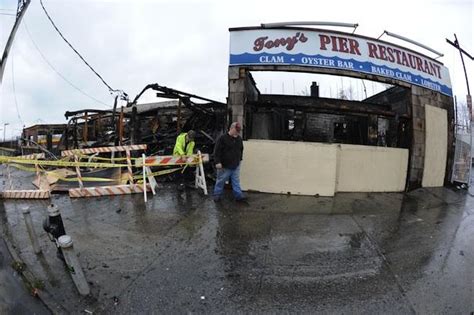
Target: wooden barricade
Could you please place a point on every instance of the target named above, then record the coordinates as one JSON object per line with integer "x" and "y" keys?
{"x": 26, "y": 194}
{"x": 131, "y": 188}
{"x": 40, "y": 193}
{"x": 120, "y": 148}
{"x": 196, "y": 160}
{"x": 106, "y": 191}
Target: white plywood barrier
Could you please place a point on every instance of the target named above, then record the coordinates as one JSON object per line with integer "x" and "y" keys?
{"x": 436, "y": 146}
{"x": 371, "y": 169}
{"x": 301, "y": 168}
{"x": 305, "y": 168}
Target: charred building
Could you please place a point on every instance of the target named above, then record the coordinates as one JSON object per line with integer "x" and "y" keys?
{"x": 398, "y": 139}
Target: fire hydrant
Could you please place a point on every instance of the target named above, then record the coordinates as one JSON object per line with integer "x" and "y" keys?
{"x": 53, "y": 225}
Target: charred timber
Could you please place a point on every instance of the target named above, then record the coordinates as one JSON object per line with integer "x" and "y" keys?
{"x": 314, "y": 104}
{"x": 83, "y": 111}
{"x": 166, "y": 92}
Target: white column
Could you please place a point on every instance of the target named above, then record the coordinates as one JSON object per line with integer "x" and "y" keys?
{"x": 73, "y": 264}
{"x": 31, "y": 230}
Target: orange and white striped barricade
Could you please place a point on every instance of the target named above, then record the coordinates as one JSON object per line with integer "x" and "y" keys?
{"x": 33, "y": 156}
{"x": 170, "y": 160}
{"x": 40, "y": 193}
{"x": 106, "y": 191}
{"x": 200, "y": 180}
{"x": 147, "y": 174}
{"x": 167, "y": 160}
{"x": 131, "y": 188}
{"x": 120, "y": 148}
{"x": 26, "y": 194}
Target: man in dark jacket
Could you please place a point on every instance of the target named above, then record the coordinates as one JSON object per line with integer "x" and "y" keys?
{"x": 227, "y": 156}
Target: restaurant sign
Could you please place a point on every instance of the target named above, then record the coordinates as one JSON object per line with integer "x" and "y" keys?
{"x": 335, "y": 50}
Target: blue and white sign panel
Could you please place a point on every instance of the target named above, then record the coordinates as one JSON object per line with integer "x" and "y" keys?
{"x": 326, "y": 49}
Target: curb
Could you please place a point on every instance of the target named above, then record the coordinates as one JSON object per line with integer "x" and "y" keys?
{"x": 30, "y": 279}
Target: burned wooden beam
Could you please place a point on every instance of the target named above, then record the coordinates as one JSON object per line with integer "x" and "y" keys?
{"x": 314, "y": 104}
{"x": 82, "y": 111}
{"x": 166, "y": 92}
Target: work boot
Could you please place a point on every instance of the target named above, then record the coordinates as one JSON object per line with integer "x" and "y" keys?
{"x": 241, "y": 199}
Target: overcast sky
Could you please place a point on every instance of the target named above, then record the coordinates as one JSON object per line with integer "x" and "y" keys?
{"x": 185, "y": 45}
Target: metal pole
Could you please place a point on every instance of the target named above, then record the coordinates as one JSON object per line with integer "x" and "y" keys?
{"x": 468, "y": 98}
{"x": 463, "y": 65}
{"x": 74, "y": 267}
{"x": 469, "y": 102}
{"x": 311, "y": 23}
{"x": 19, "y": 16}
{"x": 31, "y": 230}
{"x": 461, "y": 52}
{"x": 413, "y": 42}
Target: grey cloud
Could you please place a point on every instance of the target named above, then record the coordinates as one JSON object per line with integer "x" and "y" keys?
{"x": 182, "y": 44}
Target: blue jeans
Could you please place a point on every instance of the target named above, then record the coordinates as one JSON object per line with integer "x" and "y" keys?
{"x": 223, "y": 175}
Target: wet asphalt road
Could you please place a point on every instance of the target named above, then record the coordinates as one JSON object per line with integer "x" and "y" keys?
{"x": 355, "y": 253}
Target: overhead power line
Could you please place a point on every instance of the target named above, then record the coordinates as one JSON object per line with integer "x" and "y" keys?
{"x": 57, "y": 72}
{"x": 77, "y": 53}
{"x": 11, "y": 11}
{"x": 14, "y": 95}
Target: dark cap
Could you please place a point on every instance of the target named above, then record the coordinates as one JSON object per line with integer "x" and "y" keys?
{"x": 191, "y": 134}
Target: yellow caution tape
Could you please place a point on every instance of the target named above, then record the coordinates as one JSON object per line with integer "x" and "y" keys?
{"x": 66, "y": 179}
{"x": 99, "y": 158}
{"x": 87, "y": 179}
{"x": 184, "y": 168}
{"x": 6, "y": 159}
{"x": 18, "y": 163}
{"x": 92, "y": 179}
{"x": 84, "y": 179}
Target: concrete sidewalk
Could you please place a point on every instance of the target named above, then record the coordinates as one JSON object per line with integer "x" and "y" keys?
{"x": 181, "y": 252}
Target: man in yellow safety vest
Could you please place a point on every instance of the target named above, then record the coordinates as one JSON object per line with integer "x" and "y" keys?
{"x": 184, "y": 146}
{"x": 184, "y": 143}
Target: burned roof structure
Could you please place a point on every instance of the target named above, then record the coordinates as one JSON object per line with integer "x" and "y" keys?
{"x": 159, "y": 125}
{"x": 155, "y": 124}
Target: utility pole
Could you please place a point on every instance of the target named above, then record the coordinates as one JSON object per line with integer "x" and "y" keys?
{"x": 461, "y": 52}
{"x": 469, "y": 106}
{"x": 20, "y": 12}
